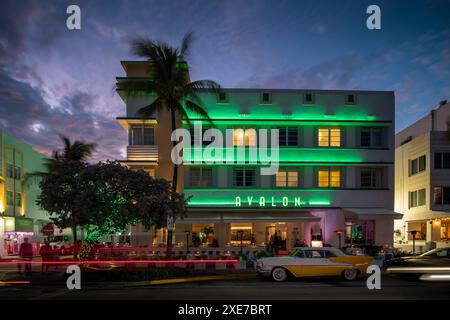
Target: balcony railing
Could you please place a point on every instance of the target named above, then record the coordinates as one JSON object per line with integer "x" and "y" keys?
{"x": 142, "y": 153}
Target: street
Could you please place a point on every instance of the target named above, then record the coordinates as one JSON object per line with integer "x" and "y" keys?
{"x": 253, "y": 288}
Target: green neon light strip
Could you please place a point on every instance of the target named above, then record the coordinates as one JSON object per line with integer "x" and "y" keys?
{"x": 271, "y": 122}
{"x": 294, "y": 155}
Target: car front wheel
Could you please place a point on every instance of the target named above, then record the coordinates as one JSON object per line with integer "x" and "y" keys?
{"x": 350, "y": 274}
{"x": 279, "y": 274}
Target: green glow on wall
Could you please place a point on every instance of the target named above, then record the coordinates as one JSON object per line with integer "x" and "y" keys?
{"x": 316, "y": 122}
{"x": 276, "y": 112}
{"x": 292, "y": 155}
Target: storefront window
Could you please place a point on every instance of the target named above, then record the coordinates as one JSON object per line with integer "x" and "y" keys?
{"x": 420, "y": 227}
{"x": 445, "y": 229}
{"x": 203, "y": 234}
{"x": 361, "y": 232}
{"x": 247, "y": 234}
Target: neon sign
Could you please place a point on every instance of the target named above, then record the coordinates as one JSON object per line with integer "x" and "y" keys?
{"x": 252, "y": 201}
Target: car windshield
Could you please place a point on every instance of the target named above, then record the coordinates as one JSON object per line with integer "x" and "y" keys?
{"x": 436, "y": 253}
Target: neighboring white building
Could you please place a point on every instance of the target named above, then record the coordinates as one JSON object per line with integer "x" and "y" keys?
{"x": 422, "y": 181}
{"x": 336, "y": 166}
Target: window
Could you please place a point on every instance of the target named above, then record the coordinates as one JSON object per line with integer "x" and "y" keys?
{"x": 314, "y": 254}
{"x": 288, "y": 136}
{"x": 141, "y": 135}
{"x": 442, "y": 160}
{"x": 420, "y": 227}
{"x": 441, "y": 195}
{"x": 9, "y": 198}
{"x": 18, "y": 199}
{"x": 350, "y": 99}
{"x": 371, "y": 177}
{"x": 298, "y": 253}
{"x": 17, "y": 173}
{"x": 201, "y": 177}
{"x": 9, "y": 170}
{"x": 308, "y": 98}
{"x": 286, "y": 179}
{"x": 417, "y": 198}
{"x": 222, "y": 97}
{"x": 328, "y": 137}
{"x": 244, "y": 177}
{"x": 244, "y": 137}
{"x": 361, "y": 232}
{"x": 266, "y": 98}
{"x": 417, "y": 165}
{"x": 371, "y": 137}
{"x": 329, "y": 177}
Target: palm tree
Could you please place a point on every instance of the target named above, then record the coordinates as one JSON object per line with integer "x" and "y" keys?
{"x": 169, "y": 81}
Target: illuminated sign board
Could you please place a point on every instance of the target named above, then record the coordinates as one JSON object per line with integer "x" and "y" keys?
{"x": 251, "y": 201}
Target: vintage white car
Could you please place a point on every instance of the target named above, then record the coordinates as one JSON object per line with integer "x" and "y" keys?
{"x": 313, "y": 262}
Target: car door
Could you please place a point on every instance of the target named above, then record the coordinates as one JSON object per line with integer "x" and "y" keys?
{"x": 311, "y": 263}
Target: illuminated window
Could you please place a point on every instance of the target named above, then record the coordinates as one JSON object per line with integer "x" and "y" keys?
{"x": 244, "y": 137}
{"x": 328, "y": 137}
{"x": 287, "y": 179}
{"x": 441, "y": 195}
{"x": 329, "y": 177}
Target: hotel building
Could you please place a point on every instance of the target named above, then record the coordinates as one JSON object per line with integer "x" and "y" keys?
{"x": 20, "y": 216}
{"x": 336, "y": 166}
{"x": 422, "y": 181}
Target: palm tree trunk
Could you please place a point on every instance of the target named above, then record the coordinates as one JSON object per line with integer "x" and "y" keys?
{"x": 174, "y": 185}
{"x": 75, "y": 239}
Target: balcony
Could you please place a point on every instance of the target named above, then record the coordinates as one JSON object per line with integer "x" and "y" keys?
{"x": 142, "y": 153}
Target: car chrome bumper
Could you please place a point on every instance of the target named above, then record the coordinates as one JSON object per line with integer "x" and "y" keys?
{"x": 264, "y": 272}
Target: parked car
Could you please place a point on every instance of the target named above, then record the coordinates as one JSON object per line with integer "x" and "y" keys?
{"x": 431, "y": 262}
{"x": 313, "y": 262}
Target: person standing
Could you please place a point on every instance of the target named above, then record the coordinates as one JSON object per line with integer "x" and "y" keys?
{"x": 46, "y": 255}
{"x": 26, "y": 253}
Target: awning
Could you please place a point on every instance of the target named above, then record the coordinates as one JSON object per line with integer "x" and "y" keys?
{"x": 427, "y": 215}
{"x": 200, "y": 218}
{"x": 207, "y": 217}
{"x": 362, "y": 213}
{"x": 271, "y": 217}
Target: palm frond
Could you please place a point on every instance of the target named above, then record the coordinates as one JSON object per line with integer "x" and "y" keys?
{"x": 149, "y": 111}
{"x": 185, "y": 44}
{"x": 191, "y": 106}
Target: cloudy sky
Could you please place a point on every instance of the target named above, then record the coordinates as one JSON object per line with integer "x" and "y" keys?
{"x": 56, "y": 81}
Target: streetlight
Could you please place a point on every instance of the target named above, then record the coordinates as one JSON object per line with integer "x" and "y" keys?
{"x": 241, "y": 234}
{"x": 187, "y": 240}
{"x": 413, "y": 233}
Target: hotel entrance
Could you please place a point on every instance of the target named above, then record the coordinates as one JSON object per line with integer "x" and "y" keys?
{"x": 274, "y": 230}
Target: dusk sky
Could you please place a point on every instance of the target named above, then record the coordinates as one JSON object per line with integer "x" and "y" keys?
{"x": 59, "y": 81}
